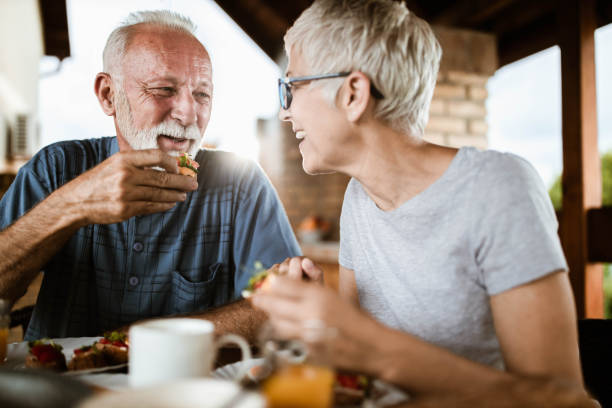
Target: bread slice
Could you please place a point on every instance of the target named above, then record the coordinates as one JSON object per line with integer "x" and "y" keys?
{"x": 45, "y": 354}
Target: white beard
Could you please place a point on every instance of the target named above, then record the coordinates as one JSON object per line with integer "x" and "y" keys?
{"x": 147, "y": 138}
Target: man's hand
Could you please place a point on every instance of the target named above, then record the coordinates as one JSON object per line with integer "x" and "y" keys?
{"x": 300, "y": 267}
{"x": 120, "y": 187}
{"x": 124, "y": 185}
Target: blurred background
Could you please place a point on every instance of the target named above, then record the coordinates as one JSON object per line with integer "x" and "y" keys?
{"x": 493, "y": 91}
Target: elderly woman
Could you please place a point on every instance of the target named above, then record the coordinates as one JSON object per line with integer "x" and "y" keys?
{"x": 451, "y": 254}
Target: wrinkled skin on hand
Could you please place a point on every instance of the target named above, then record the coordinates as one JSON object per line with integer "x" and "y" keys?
{"x": 125, "y": 185}
{"x": 294, "y": 306}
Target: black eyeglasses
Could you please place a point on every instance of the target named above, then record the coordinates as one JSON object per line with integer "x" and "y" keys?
{"x": 284, "y": 86}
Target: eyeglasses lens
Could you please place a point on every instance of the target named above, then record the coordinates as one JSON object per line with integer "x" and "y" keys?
{"x": 284, "y": 93}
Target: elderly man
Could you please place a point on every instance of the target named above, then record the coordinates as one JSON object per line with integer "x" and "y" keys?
{"x": 119, "y": 240}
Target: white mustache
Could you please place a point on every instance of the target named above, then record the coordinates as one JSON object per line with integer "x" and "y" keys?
{"x": 172, "y": 129}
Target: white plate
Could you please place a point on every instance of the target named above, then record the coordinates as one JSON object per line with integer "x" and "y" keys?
{"x": 201, "y": 393}
{"x": 17, "y": 353}
{"x": 106, "y": 369}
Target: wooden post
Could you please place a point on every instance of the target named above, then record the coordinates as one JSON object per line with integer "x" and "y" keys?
{"x": 581, "y": 165}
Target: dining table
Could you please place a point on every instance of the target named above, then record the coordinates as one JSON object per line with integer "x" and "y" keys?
{"x": 111, "y": 386}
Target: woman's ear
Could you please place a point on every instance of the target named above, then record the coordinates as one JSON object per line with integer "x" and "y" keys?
{"x": 355, "y": 96}
{"x": 103, "y": 87}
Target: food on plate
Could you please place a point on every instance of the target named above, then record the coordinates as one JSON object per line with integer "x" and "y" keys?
{"x": 350, "y": 389}
{"x": 110, "y": 350}
{"x": 114, "y": 346}
{"x": 187, "y": 165}
{"x": 259, "y": 281}
{"x": 45, "y": 353}
{"x": 86, "y": 358}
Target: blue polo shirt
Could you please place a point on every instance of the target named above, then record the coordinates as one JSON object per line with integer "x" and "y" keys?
{"x": 196, "y": 256}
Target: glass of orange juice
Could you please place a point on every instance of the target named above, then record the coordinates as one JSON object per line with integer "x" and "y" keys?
{"x": 302, "y": 378}
{"x": 4, "y": 327}
{"x": 300, "y": 386}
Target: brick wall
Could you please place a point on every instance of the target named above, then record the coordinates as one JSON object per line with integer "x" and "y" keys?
{"x": 457, "y": 118}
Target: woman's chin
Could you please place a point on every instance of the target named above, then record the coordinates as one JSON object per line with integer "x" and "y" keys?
{"x": 315, "y": 168}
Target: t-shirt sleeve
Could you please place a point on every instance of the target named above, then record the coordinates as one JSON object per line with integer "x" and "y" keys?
{"x": 262, "y": 229}
{"x": 516, "y": 239}
{"x": 24, "y": 193}
{"x": 345, "y": 257}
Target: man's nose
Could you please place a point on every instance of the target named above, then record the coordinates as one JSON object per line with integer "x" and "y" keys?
{"x": 184, "y": 109}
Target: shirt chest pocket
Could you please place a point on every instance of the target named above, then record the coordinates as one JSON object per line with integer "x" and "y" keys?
{"x": 193, "y": 292}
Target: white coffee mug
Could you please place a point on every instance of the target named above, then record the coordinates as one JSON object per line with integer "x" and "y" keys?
{"x": 164, "y": 350}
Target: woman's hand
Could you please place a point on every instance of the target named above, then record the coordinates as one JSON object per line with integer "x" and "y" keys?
{"x": 335, "y": 330}
{"x": 300, "y": 267}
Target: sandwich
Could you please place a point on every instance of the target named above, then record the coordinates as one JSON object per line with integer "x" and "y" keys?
{"x": 86, "y": 358}
{"x": 114, "y": 346}
{"x": 187, "y": 166}
{"x": 111, "y": 350}
{"x": 45, "y": 354}
{"x": 259, "y": 281}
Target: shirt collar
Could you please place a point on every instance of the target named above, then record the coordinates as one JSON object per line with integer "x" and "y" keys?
{"x": 114, "y": 146}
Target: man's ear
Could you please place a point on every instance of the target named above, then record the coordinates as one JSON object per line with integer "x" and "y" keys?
{"x": 356, "y": 96}
{"x": 103, "y": 87}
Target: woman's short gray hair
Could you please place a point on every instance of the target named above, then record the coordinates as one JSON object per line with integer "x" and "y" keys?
{"x": 119, "y": 39}
{"x": 381, "y": 38}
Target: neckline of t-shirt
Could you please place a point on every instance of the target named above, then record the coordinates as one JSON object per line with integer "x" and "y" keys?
{"x": 431, "y": 189}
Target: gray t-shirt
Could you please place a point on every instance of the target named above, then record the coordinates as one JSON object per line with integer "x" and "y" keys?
{"x": 429, "y": 267}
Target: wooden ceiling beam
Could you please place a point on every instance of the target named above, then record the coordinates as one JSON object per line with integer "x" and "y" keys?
{"x": 517, "y": 17}
{"x": 260, "y": 21}
{"x": 488, "y": 10}
{"x": 527, "y": 41}
{"x": 287, "y": 10}
{"x": 522, "y": 41}
{"x": 604, "y": 12}
{"x": 469, "y": 13}
{"x": 415, "y": 7}
{"x": 54, "y": 20}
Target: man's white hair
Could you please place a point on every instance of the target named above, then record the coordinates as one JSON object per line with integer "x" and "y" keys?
{"x": 118, "y": 41}
{"x": 381, "y": 38}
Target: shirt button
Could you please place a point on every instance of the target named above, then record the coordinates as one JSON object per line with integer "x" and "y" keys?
{"x": 133, "y": 280}
{"x": 137, "y": 246}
